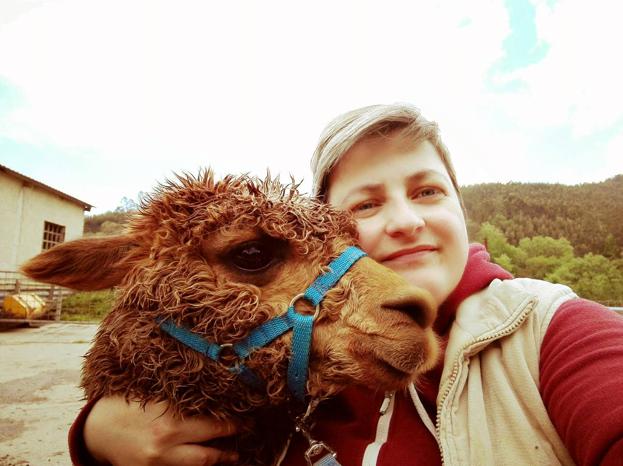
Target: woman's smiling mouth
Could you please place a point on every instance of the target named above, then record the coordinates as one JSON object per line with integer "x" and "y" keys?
{"x": 408, "y": 255}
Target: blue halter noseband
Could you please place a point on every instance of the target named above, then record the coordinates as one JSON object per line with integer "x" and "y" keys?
{"x": 300, "y": 324}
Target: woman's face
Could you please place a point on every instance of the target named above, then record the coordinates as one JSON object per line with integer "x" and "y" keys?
{"x": 408, "y": 214}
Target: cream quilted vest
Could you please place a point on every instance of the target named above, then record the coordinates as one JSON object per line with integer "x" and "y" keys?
{"x": 490, "y": 411}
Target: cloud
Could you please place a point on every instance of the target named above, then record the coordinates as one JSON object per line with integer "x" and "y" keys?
{"x": 142, "y": 88}
{"x": 243, "y": 84}
{"x": 552, "y": 118}
{"x": 577, "y": 83}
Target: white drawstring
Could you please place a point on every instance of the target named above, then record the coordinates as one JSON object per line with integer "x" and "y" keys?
{"x": 422, "y": 411}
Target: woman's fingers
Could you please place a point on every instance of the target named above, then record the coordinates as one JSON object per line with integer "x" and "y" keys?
{"x": 198, "y": 429}
{"x": 197, "y": 455}
{"x": 126, "y": 434}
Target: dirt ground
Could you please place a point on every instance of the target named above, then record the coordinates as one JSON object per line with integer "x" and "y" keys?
{"x": 39, "y": 397}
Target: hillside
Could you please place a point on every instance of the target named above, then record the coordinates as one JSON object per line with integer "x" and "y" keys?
{"x": 589, "y": 215}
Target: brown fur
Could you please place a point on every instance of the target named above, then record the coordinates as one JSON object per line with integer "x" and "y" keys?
{"x": 175, "y": 262}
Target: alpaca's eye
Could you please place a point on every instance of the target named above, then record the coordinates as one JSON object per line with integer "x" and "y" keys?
{"x": 255, "y": 256}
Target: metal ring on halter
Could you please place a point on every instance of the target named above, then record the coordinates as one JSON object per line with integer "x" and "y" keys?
{"x": 231, "y": 347}
{"x": 302, "y": 295}
{"x": 226, "y": 345}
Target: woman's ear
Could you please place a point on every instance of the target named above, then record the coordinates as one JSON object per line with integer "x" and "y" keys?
{"x": 85, "y": 264}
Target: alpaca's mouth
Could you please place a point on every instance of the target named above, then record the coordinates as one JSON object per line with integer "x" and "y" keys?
{"x": 383, "y": 375}
{"x": 400, "y": 363}
{"x": 393, "y": 370}
{"x": 387, "y": 374}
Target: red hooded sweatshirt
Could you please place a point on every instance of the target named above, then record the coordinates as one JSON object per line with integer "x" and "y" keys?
{"x": 581, "y": 382}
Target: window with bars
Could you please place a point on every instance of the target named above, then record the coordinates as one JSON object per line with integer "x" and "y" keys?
{"x": 52, "y": 234}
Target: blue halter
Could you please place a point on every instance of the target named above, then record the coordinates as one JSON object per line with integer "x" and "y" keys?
{"x": 300, "y": 324}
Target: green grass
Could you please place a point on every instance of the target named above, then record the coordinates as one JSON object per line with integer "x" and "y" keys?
{"x": 87, "y": 305}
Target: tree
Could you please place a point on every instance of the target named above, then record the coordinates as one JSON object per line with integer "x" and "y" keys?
{"x": 547, "y": 246}
{"x": 127, "y": 205}
{"x": 495, "y": 241}
{"x": 611, "y": 248}
{"x": 493, "y": 238}
{"x": 593, "y": 277}
{"x": 541, "y": 255}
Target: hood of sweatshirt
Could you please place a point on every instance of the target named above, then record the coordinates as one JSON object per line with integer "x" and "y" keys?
{"x": 479, "y": 272}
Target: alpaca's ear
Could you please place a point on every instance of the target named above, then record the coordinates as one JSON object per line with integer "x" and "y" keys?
{"x": 85, "y": 264}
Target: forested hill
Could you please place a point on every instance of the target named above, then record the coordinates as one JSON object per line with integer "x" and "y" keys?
{"x": 589, "y": 215}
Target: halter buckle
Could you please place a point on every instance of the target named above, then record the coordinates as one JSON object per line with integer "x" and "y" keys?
{"x": 316, "y": 448}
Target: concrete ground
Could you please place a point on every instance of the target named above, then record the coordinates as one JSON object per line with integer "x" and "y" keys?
{"x": 39, "y": 397}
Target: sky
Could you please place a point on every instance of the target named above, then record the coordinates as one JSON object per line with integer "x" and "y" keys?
{"x": 104, "y": 99}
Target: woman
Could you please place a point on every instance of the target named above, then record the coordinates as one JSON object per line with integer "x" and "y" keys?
{"x": 531, "y": 374}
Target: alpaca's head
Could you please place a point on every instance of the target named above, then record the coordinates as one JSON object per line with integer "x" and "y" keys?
{"x": 220, "y": 258}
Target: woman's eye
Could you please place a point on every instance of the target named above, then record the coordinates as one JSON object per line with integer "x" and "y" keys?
{"x": 428, "y": 192}
{"x": 254, "y": 256}
{"x": 363, "y": 206}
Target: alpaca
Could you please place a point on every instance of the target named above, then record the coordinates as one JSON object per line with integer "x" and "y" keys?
{"x": 218, "y": 258}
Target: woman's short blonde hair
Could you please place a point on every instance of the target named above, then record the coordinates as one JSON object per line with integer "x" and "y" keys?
{"x": 368, "y": 122}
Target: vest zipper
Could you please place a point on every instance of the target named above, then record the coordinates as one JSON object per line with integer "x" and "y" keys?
{"x": 457, "y": 365}
{"x": 371, "y": 454}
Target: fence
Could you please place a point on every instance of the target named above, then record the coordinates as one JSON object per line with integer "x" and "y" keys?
{"x": 13, "y": 282}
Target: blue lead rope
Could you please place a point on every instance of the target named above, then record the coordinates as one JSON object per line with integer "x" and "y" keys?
{"x": 300, "y": 324}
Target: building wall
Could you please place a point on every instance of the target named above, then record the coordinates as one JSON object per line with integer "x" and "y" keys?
{"x": 23, "y": 211}
{"x": 10, "y": 200}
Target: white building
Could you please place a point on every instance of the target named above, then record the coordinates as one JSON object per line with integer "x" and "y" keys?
{"x": 34, "y": 217}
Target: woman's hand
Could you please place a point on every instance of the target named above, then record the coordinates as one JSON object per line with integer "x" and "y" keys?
{"x": 124, "y": 434}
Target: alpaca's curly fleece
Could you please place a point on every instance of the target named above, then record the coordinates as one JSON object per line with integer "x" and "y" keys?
{"x": 171, "y": 278}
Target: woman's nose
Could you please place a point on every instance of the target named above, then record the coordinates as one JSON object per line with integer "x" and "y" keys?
{"x": 403, "y": 219}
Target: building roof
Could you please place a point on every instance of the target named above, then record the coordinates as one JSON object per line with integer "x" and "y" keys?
{"x": 30, "y": 182}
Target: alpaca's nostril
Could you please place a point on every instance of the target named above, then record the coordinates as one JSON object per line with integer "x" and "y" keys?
{"x": 415, "y": 312}
{"x": 419, "y": 310}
